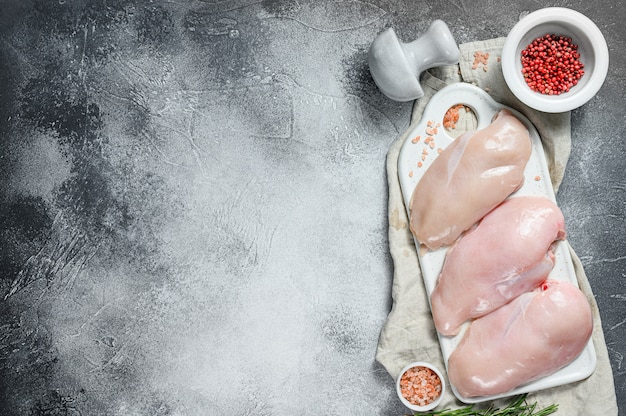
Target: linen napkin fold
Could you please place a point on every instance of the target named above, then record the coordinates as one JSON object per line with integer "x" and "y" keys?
{"x": 409, "y": 333}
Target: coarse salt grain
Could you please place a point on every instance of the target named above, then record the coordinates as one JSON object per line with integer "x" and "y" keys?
{"x": 420, "y": 386}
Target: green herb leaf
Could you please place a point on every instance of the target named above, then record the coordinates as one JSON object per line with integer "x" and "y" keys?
{"x": 518, "y": 407}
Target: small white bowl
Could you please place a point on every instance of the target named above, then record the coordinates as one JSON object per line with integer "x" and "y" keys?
{"x": 430, "y": 405}
{"x": 594, "y": 55}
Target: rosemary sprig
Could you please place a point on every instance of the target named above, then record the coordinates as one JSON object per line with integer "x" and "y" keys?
{"x": 519, "y": 407}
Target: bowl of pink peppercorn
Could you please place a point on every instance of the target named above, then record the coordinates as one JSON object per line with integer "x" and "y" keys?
{"x": 555, "y": 59}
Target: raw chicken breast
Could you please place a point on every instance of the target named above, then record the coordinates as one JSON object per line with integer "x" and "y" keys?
{"x": 531, "y": 337}
{"x": 470, "y": 177}
{"x": 508, "y": 253}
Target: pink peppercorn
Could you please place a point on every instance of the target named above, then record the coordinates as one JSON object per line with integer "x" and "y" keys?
{"x": 551, "y": 64}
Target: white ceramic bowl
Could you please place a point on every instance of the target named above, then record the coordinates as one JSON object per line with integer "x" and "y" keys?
{"x": 594, "y": 55}
{"x": 432, "y": 404}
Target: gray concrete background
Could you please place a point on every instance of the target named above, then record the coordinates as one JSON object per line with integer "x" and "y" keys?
{"x": 193, "y": 201}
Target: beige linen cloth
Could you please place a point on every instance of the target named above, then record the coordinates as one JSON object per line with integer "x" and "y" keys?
{"x": 408, "y": 333}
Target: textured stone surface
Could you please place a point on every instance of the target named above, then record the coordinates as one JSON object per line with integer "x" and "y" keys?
{"x": 193, "y": 202}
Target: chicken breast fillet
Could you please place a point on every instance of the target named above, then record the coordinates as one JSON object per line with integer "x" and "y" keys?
{"x": 508, "y": 253}
{"x": 470, "y": 177}
{"x": 529, "y": 338}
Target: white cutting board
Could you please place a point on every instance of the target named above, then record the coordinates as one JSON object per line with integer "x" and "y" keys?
{"x": 537, "y": 182}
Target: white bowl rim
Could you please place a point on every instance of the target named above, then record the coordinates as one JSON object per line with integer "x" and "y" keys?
{"x": 564, "y": 102}
{"x": 432, "y": 404}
